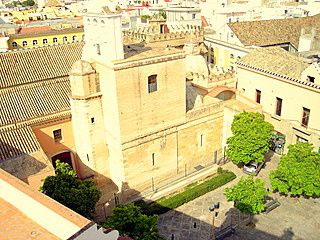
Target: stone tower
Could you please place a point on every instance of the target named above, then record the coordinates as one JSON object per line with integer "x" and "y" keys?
{"x": 87, "y": 120}
{"x": 94, "y": 101}
{"x": 103, "y": 35}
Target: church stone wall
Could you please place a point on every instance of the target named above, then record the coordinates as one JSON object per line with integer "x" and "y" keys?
{"x": 142, "y": 112}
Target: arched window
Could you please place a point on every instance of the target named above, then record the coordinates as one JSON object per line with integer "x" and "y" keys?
{"x": 35, "y": 42}
{"x": 65, "y": 39}
{"x": 74, "y": 38}
{"x": 238, "y": 58}
{"x": 14, "y": 44}
{"x": 45, "y": 41}
{"x": 55, "y": 40}
{"x": 231, "y": 56}
{"x": 24, "y": 43}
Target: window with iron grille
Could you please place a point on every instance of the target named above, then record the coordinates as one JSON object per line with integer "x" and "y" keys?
{"x": 57, "y": 135}
{"x": 278, "y": 106}
{"x": 305, "y": 117}
{"x": 258, "y": 96}
{"x": 152, "y": 83}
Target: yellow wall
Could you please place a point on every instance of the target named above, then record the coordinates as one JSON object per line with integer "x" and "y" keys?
{"x": 44, "y": 134}
{"x": 29, "y": 39}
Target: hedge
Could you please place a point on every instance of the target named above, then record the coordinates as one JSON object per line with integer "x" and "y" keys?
{"x": 190, "y": 193}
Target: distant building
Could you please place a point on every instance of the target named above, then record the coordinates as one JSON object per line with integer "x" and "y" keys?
{"x": 43, "y": 36}
{"x": 287, "y": 89}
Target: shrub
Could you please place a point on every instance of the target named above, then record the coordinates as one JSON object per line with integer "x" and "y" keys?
{"x": 165, "y": 204}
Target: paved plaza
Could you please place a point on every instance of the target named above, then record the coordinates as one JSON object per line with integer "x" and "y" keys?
{"x": 296, "y": 218}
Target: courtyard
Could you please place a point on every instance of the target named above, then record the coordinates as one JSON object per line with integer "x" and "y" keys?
{"x": 295, "y": 218}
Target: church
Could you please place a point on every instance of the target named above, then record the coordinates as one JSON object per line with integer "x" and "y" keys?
{"x": 134, "y": 117}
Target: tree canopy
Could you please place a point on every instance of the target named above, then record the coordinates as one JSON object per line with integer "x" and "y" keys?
{"x": 250, "y": 139}
{"x": 298, "y": 172}
{"x": 66, "y": 188}
{"x": 28, "y": 3}
{"x": 249, "y": 195}
{"x": 129, "y": 220}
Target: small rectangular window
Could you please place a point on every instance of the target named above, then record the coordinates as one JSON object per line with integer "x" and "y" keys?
{"x": 310, "y": 79}
{"x": 301, "y": 139}
{"x": 258, "y": 96}
{"x": 98, "y": 49}
{"x": 153, "y": 158}
{"x": 92, "y": 120}
{"x": 201, "y": 140}
{"x": 57, "y": 135}
{"x": 305, "y": 117}
{"x": 152, "y": 83}
{"x": 278, "y": 106}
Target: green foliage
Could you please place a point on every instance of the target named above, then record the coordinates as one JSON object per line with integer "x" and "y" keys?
{"x": 28, "y": 3}
{"x": 191, "y": 192}
{"x": 66, "y": 188}
{"x": 129, "y": 220}
{"x": 250, "y": 140}
{"x": 163, "y": 13}
{"x": 249, "y": 195}
{"x": 298, "y": 172}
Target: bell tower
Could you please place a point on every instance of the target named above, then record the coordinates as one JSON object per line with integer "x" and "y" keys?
{"x": 102, "y": 35}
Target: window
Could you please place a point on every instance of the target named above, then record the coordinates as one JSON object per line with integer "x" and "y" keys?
{"x": 45, "y": 41}
{"x": 74, "y": 38}
{"x": 57, "y": 135}
{"x": 301, "y": 139}
{"x": 55, "y": 40}
{"x": 193, "y": 16}
{"x": 98, "y": 49}
{"x": 14, "y": 44}
{"x": 201, "y": 140}
{"x": 35, "y": 42}
{"x": 258, "y": 96}
{"x": 152, "y": 83}
{"x": 92, "y": 120}
{"x": 231, "y": 56}
{"x": 24, "y": 43}
{"x": 65, "y": 39}
{"x": 305, "y": 117}
{"x": 278, "y": 106}
{"x": 153, "y": 158}
{"x": 310, "y": 79}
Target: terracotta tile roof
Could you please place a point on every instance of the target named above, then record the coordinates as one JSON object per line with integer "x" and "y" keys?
{"x": 33, "y": 65}
{"x": 57, "y": 207}
{"x": 34, "y": 100}
{"x": 37, "y": 29}
{"x": 15, "y": 142}
{"x": 46, "y": 33}
{"x": 274, "y": 60}
{"x": 270, "y": 32}
{"x": 16, "y": 225}
{"x": 43, "y": 200}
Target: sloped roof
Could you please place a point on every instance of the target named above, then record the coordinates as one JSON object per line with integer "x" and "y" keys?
{"x": 15, "y": 142}
{"x": 35, "y": 83}
{"x": 38, "y": 64}
{"x": 34, "y": 100}
{"x": 274, "y": 60}
{"x": 275, "y": 31}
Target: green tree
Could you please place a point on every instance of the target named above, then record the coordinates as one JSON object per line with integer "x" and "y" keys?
{"x": 66, "y": 188}
{"x": 28, "y": 3}
{"x": 248, "y": 195}
{"x": 298, "y": 172}
{"x": 250, "y": 139}
{"x": 129, "y": 220}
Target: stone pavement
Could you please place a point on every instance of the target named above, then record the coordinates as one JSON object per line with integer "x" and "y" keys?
{"x": 193, "y": 220}
{"x": 294, "y": 219}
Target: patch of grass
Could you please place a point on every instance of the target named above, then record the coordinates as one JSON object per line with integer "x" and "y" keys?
{"x": 190, "y": 193}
